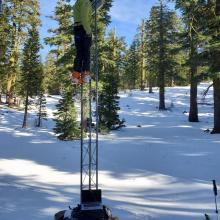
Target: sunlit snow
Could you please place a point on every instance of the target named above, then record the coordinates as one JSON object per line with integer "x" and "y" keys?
{"x": 159, "y": 166}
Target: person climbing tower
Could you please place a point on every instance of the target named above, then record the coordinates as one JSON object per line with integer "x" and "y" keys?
{"x": 83, "y": 41}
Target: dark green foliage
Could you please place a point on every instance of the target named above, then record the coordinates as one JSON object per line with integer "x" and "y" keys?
{"x": 109, "y": 99}
{"x": 4, "y": 42}
{"x": 31, "y": 76}
{"x": 110, "y": 60}
{"x": 67, "y": 128}
{"x": 103, "y": 20}
{"x": 60, "y": 59}
{"x": 104, "y": 16}
{"x": 52, "y": 75}
{"x": 152, "y": 49}
{"x": 211, "y": 29}
{"x": 20, "y": 15}
{"x": 161, "y": 40}
{"x": 62, "y": 36}
{"x": 109, "y": 104}
{"x": 192, "y": 41}
{"x": 4, "y": 47}
{"x": 132, "y": 66}
{"x": 142, "y": 49}
{"x": 59, "y": 64}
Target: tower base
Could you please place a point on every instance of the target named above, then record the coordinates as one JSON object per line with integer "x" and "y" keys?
{"x": 91, "y": 208}
{"x": 79, "y": 214}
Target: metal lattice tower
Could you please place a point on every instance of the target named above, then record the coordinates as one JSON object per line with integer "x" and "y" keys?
{"x": 90, "y": 144}
{"x": 91, "y": 197}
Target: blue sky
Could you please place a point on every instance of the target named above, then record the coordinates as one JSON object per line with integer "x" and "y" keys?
{"x": 126, "y": 15}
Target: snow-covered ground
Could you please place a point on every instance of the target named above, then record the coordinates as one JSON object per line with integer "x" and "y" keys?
{"x": 159, "y": 166}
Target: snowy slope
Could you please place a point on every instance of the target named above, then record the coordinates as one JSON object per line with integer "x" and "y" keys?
{"x": 159, "y": 170}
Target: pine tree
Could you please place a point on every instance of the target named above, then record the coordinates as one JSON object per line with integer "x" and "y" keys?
{"x": 152, "y": 48}
{"x": 59, "y": 64}
{"x": 142, "y": 51}
{"x": 31, "y": 77}
{"x": 103, "y": 20}
{"x": 67, "y": 128}
{"x": 161, "y": 69}
{"x": 109, "y": 105}
{"x": 139, "y": 43}
{"x": 23, "y": 14}
{"x": 121, "y": 63}
{"x": 215, "y": 68}
{"x": 160, "y": 38}
{"x": 176, "y": 73}
{"x": 52, "y": 76}
{"x": 5, "y": 30}
{"x": 216, "y": 86}
{"x": 211, "y": 28}
{"x": 130, "y": 78}
{"x": 62, "y": 40}
{"x": 192, "y": 15}
{"x": 109, "y": 99}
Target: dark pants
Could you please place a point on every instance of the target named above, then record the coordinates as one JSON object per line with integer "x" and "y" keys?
{"x": 83, "y": 43}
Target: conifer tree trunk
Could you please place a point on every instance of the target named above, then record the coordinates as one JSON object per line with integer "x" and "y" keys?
{"x": 150, "y": 84}
{"x": 162, "y": 92}
{"x": 193, "y": 112}
{"x": 216, "y": 87}
{"x": 10, "y": 89}
{"x": 40, "y": 114}
{"x": 142, "y": 56}
{"x": 161, "y": 78}
{"x": 216, "y": 81}
{"x": 14, "y": 57}
{"x": 0, "y": 93}
{"x": 133, "y": 84}
{"x": 26, "y": 110}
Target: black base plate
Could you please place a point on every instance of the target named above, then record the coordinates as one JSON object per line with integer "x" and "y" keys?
{"x": 78, "y": 214}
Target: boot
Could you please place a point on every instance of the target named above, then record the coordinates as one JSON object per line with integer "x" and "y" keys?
{"x": 76, "y": 77}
